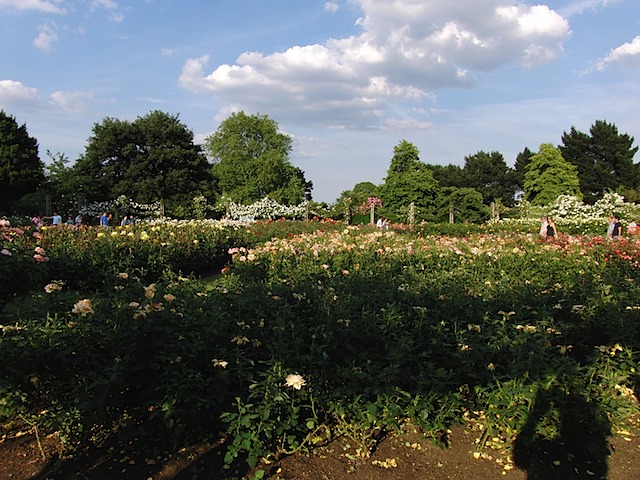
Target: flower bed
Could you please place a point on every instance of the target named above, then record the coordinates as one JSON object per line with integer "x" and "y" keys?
{"x": 327, "y": 331}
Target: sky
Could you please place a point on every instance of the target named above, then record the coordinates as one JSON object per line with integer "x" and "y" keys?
{"x": 348, "y": 80}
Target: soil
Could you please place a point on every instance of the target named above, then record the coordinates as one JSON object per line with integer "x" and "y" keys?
{"x": 399, "y": 457}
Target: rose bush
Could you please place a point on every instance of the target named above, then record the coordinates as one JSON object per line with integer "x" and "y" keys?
{"x": 315, "y": 329}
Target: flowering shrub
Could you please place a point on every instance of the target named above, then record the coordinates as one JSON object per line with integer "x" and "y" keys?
{"x": 317, "y": 330}
{"x": 265, "y": 209}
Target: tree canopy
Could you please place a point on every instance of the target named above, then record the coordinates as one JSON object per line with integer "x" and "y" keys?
{"x": 461, "y": 204}
{"x": 604, "y": 159}
{"x": 152, "y": 158}
{"x": 489, "y": 174}
{"x": 251, "y": 161}
{"x": 548, "y": 176}
{"x": 408, "y": 181}
{"x": 21, "y": 170}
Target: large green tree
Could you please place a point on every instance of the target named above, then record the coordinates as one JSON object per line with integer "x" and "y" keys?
{"x": 251, "y": 161}
{"x": 489, "y": 174}
{"x": 604, "y": 159}
{"x": 150, "y": 159}
{"x": 548, "y": 176}
{"x": 21, "y": 170}
{"x": 409, "y": 181}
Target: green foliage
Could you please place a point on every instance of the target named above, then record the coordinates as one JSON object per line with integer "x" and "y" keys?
{"x": 489, "y": 174}
{"x": 604, "y": 160}
{"x": 408, "y": 181}
{"x": 461, "y": 204}
{"x": 21, "y": 170}
{"x": 448, "y": 175}
{"x": 548, "y": 176}
{"x": 150, "y": 159}
{"x": 318, "y": 330}
{"x": 522, "y": 160}
{"x": 251, "y": 161}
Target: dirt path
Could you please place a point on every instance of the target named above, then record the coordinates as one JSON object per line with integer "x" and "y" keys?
{"x": 404, "y": 457}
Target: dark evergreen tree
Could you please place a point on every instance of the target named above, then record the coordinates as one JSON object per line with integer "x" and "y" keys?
{"x": 522, "y": 160}
{"x": 604, "y": 160}
{"x": 21, "y": 170}
{"x": 448, "y": 175}
{"x": 489, "y": 174}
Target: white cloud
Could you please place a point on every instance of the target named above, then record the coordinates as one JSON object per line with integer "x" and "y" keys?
{"x": 38, "y": 5}
{"x": 167, "y": 52}
{"x": 581, "y": 6}
{"x": 71, "y": 101}
{"x": 406, "y": 124}
{"x": 15, "y": 94}
{"x": 45, "y": 38}
{"x": 331, "y": 7}
{"x": 405, "y": 50}
{"x": 627, "y": 54}
{"x": 111, "y": 6}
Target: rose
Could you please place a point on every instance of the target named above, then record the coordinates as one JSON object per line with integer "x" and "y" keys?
{"x": 294, "y": 381}
{"x": 82, "y": 307}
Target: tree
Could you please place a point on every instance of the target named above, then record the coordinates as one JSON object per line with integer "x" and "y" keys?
{"x": 522, "y": 160}
{"x": 604, "y": 159}
{"x": 548, "y": 176}
{"x": 251, "y": 161}
{"x": 462, "y": 204}
{"x": 150, "y": 159}
{"x": 489, "y": 174}
{"x": 59, "y": 183}
{"x": 21, "y": 170}
{"x": 448, "y": 175}
{"x": 408, "y": 181}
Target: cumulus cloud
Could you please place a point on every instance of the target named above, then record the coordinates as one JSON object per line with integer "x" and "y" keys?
{"x": 627, "y": 55}
{"x": 38, "y": 5}
{"x": 45, "y": 38}
{"x": 404, "y": 50}
{"x": 16, "y": 95}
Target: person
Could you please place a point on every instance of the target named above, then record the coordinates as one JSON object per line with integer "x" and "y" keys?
{"x": 380, "y": 223}
{"x": 125, "y": 221}
{"x": 37, "y": 221}
{"x": 551, "y": 228}
{"x": 69, "y": 221}
{"x": 385, "y": 224}
{"x": 617, "y": 228}
{"x": 78, "y": 220}
{"x": 543, "y": 226}
{"x": 104, "y": 220}
{"x": 610, "y": 226}
{"x": 56, "y": 220}
{"x": 632, "y": 229}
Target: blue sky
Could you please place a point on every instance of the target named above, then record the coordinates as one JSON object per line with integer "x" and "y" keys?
{"x": 346, "y": 79}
